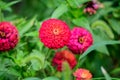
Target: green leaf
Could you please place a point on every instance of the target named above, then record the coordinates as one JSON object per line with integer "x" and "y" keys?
{"x": 59, "y": 11}
{"x": 76, "y": 3}
{"x": 82, "y": 22}
{"x": 27, "y": 26}
{"x": 103, "y": 49}
{"x": 51, "y": 78}
{"x": 32, "y": 78}
{"x": 94, "y": 46}
{"x": 115, "y": 25}
{"x": 107, "y": 77}
{"x": 36, "y": 58}
{"x": 66, "y": 73}
{"x": 103, "y": 26}
{"x": 6, "y": 5}
{"x": 116, "y": 71}
{"x": 33, "y": 34}
{"x": 73, "y": 3}
{"x": 98, "y": 37}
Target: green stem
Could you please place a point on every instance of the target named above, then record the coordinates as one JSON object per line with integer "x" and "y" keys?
{"x": 44, "y": 74}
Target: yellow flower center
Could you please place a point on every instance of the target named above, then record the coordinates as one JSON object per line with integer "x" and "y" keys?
{"x": 56, "y": 31}
{"x": 2, "y": 34}
{"x": 81, "y": 40}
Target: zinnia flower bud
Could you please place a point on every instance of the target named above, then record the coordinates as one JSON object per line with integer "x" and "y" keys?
{"x": 80, "y": 40}
{"x": 82, "y": 74}
{"x": 8, "y": 36}
{"x": 54, "y": 33}
{"x": 62, "y": 56}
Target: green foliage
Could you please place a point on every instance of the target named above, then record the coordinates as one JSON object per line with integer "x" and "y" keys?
{"x": 31, "y": 60}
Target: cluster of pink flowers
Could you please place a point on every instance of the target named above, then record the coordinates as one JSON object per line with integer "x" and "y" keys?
{"x": 56, "y": 34}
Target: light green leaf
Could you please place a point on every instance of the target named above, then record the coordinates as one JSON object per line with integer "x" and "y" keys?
{"x": 36, "y": 59}
{"x": 116, "y": 71}
{"x": 51, "y": 78}
{"x": 37, "y": 64}
{"x": 94, "y": 46}
{"x": 103, "y": 26}
{"x": 73, "y": 3}
{"x": 76, "y": 3}
{"x": 32, "y": 78}
{"x": 6, "y": 5}
{"x": 59, "y": 11}
{"x": 66, "y": 73}
{"x": 27, "y": 26}
{"x": 33, "y": 34}
{"x": 107, "y": 77}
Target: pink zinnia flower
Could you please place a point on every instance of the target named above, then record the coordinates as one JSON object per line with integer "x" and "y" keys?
{"x": 54, "y": 33}
{"x": 82, "y": 74}
{"x": 80, "y": 40}
{"x": 62, "y": 56}
{"x": 8, "y": 36}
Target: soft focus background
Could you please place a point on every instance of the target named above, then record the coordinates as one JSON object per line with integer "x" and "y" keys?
{"x": 31, "y": 60}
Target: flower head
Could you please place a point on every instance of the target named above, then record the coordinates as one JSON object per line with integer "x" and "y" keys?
{"x": 92, "y": 7}
{"x": 8, "y": 36}
{"x": 54, "y": 33}
{"x": 62, "y": 56}
{"x": 82, "y": 74}
{"x": 80, "y": 40}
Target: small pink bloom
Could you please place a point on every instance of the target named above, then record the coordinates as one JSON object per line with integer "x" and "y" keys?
{"x": 54, "y": 33}
{"x": 8, "y": 36}
{"x": 82, "y": 74}
{"x": 80, "y": 40}
{"x": 92, "y": 7}
{"x": 62, "y": 56}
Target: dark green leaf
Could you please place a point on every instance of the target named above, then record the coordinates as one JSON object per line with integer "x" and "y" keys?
{"x": 115, "y": 25}
{"x": 94, "y": 46}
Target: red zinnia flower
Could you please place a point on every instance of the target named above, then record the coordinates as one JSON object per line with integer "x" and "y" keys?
{"x": 82, "y": 74}
{"x": 62, "y": 56}
{"x": 54, "y": 33}
{"x": 8, "y": 36}
{"x": 80, "y": 40}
